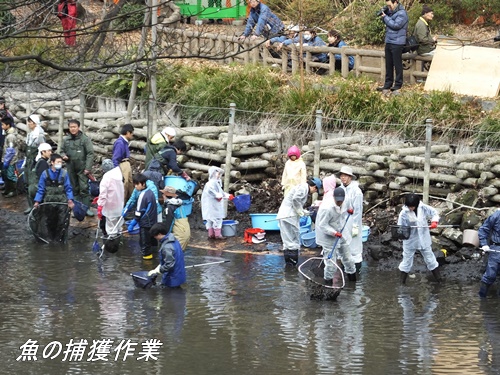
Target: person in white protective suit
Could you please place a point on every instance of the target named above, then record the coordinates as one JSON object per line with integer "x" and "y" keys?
{"x": 212, "y": 205}
{"x": 294, "y": 172}
{"x": 415, "y": 214}
{"x": 355, "y": 196}
{"x": 330, "y": 220}
{"x": 111, "y": 198}
{"x": 289, "y": 214}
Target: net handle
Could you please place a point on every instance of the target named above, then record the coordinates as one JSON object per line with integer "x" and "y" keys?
{"x": 338, "y": 238}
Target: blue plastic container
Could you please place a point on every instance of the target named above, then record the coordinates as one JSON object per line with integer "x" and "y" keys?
{"x": 302, "y": 231}
{"x": 305, "y": 223}
{"x": 309, "y": 239}
{"x": 184, "y": 210}
{"x": 179, "y": 183}
{"x": 136, "y": 227}
{"x": 366, "y": 233}
{"x": 262, "y": 221}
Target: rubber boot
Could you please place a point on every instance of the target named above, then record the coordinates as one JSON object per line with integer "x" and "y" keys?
{"x": 10, "y": 189}
{"x": 218, "y": 234}
{"x": 211, "y": 233}
{"x": 436, "y": 274}
{"x": 404, "y": 276}
{"x": 291, "y": 257}
{"x": 328, "y": 282}
{"x": 483, "y": 290}
{"x": 351, "y": 276}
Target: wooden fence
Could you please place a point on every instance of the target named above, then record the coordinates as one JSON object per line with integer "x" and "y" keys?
{"x": 229, "y": 49}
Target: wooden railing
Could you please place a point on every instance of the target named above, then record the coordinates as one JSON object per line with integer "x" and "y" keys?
{"x": 226, "y": 48}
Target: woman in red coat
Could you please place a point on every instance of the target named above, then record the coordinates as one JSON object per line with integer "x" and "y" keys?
{"x": 66, "y": 11}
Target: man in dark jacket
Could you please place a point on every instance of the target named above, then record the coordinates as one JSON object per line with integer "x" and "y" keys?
{"x": 396, "y": 24}
{"x": 426, "y": 42}
{"x": 121, "y": 158}
{"x": 78, "y": 153}
{"x": 167, "y": 157}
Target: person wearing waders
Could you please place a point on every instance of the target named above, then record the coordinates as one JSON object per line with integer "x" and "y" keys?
{"x": 212, "y": 204}
{"x": 54, "y": 186}
{"x": 490, "y": 230}
{"x": 41, "y": 164}
{"x": 34, "y": 139}
{"x": 329, "y": 222}
{"x": 171, "y": 265}
{"x": 157, "y": 142}
{"x": 289, "y": 214}
{"x": 78, "y": 153}
{"x": 355, "y": 196}
{"x": 415, "y": 214}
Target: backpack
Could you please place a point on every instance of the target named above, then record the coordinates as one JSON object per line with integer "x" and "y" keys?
{"x": 411, "y": 44}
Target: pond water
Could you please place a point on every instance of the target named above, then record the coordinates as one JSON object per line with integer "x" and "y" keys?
{"x": 247, "y": 316}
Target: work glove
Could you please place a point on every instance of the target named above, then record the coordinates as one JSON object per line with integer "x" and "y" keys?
{"x": 231, "y": 197}
{"x": 99, "y": 212}
{"x": 350, "y": 211}
{"x": 303, "y": 213}
{"x": 154, "y": 272}
{"x": 94, "y": 201}
{"x": 338, "y": 234}
{"x": 131, "y": 225}
{"x": 5, "y": 165}
{"x": 355, "y": 230}
{"x": 124, "y": 212}
{"x": 433, "y": 225}
{"x": 185, "y": 176}
{"x": 219, "y": 196}
{"x": 485, "y": 248}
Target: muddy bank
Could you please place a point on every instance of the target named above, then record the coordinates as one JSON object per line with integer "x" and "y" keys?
{"x": 461, "y": 265}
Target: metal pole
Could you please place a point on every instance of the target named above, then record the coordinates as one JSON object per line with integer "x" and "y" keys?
{"x": 60, "y": 131}
{"x": 427, "y": 163}
{"x": 229, "y": 148}
{"x": 317, "y": 148}
{"x": 154, "y": 34}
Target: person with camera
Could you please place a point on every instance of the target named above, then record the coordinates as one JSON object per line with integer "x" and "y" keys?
{"x": 396, "y": 23}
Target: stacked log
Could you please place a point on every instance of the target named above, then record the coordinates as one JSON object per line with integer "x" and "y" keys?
{"x": 384, "y": 170}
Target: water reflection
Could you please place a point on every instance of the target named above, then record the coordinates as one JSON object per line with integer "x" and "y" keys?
{"x": 248, "y": 316}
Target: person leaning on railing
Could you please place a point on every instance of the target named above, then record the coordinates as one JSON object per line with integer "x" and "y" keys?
{"x": 262, "y": 22}
{"x": 335, "y": 40}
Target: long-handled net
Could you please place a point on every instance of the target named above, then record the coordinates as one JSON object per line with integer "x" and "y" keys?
{"x": 49, "y": 222}
{"x": 313, "y": 269}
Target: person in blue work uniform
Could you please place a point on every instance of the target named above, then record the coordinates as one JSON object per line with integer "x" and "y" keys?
{"x": 262, "y": 22}
{"x": 54, "y": 187}
{"x": 171, "y": 265}
{"x": 490, "y": 230}
{"x": 145, "y": 215}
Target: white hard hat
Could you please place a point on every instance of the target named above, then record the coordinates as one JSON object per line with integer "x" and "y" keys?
{"x": 169, "y": 131}
{"x": 35, "y": 119}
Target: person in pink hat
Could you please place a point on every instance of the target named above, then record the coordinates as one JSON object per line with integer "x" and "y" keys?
{"x": 295, "y": 172}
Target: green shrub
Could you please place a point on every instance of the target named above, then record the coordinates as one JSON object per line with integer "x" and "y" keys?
{"x": 131, "y": 17}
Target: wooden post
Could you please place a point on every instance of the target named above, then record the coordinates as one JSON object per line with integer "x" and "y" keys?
{"x": 229, "y": 148}
{"x": 427, "y": 164}
{"x": 60, "y": 132}
{"x": 317, "y": 147}
{"x": 153, "y": 70}
{"x": 82, "y": 111}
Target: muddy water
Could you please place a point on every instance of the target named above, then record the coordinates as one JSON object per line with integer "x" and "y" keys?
{"x": 247, "y": 316}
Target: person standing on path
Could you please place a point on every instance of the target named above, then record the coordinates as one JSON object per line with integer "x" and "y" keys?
{"x": 396, "y": 25}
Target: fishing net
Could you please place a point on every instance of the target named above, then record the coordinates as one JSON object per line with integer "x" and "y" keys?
{"x": 142, "y": 280}
{"x": 49, "y": 222}
{"x": 400, "y": 232}
{"x": 111, "y": 242}
{"x": 313, "y": 270}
